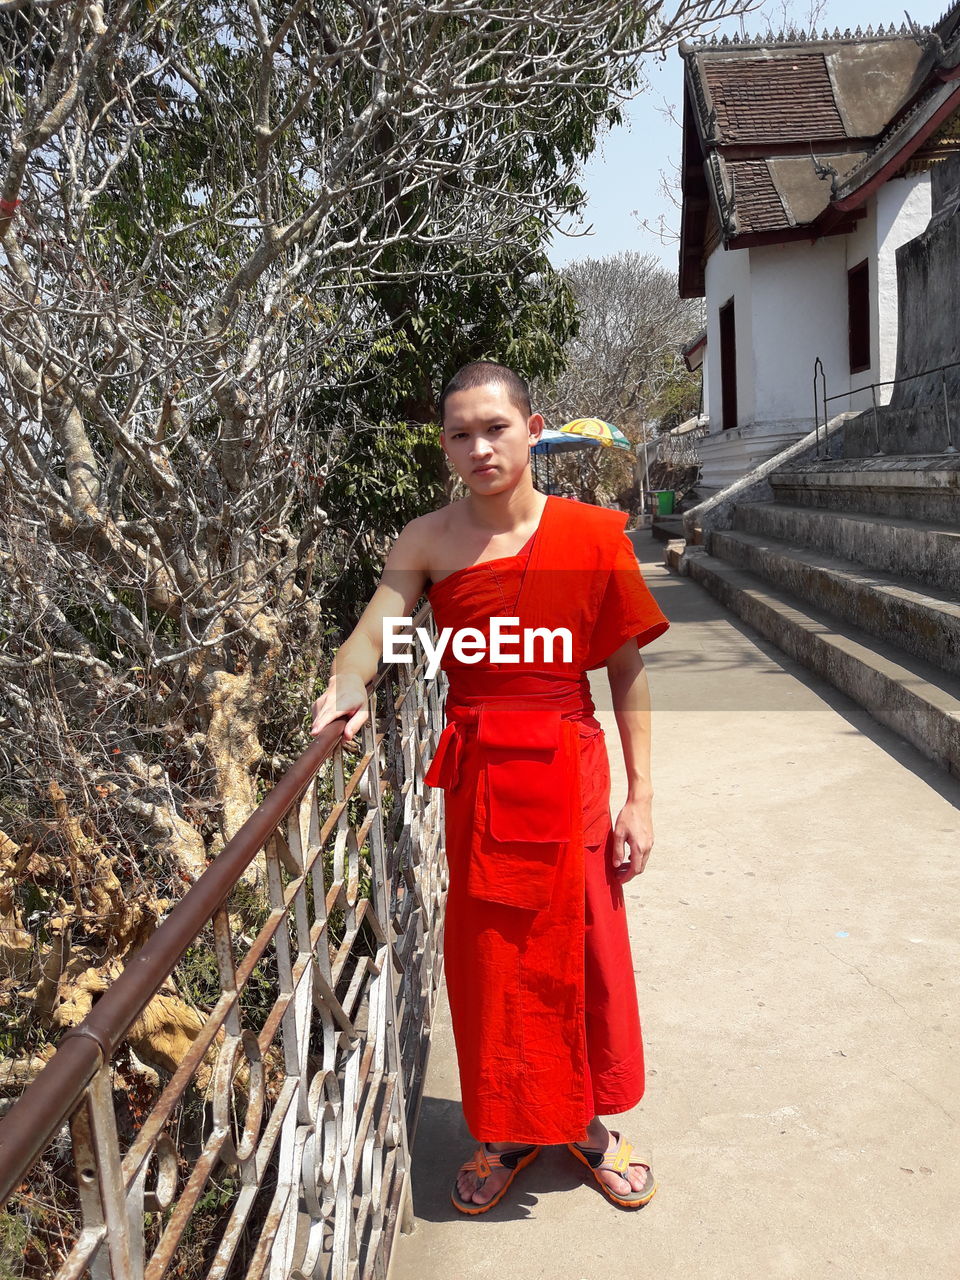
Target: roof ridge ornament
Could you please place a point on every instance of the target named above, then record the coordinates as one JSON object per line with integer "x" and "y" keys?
{"x": 824, "y": 171}
{"x": 726, "y": 204}
{"x": 925, "y": 37}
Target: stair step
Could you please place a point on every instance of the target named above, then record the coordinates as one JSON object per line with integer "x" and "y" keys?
{"x": 924, "y": 487}
{"x": 909, "y": 470}
{"x": 666, "y": 527}
{"x": 918, "y": 618}
{"x": 922, "y": 552}
{"x": 909, "y": 695}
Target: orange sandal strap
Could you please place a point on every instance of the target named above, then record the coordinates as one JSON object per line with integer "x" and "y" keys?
{"x": 619, "y": 1160}
{"x": 516, "y": 1159}
{"x": 484, "y": 1162}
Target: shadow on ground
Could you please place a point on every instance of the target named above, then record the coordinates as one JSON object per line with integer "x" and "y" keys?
{"x": 444, "y": 1143}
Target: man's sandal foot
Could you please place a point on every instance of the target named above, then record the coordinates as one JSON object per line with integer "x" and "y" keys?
{"x": 484, "y": 1162}
{"x": 619, "y": 1161}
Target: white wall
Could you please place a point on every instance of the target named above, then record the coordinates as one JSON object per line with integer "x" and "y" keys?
{"x": 903, "y": 211}
{"x": 897, "y": 213}
{"x": 799, "y": 313}
{"x": 791, "y": 306}
{"x": 727, "y": 275}
{"x": 860, "y": 243}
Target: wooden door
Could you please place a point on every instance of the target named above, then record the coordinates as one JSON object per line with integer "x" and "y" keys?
{"x": 728, "y": 366}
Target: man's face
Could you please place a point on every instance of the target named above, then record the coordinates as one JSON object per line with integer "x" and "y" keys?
{"x": 487, "y": 438}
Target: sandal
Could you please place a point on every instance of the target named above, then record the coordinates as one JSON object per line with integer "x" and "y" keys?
{"x": 485, "y": 1162}
{"x": 619, "y": 1161}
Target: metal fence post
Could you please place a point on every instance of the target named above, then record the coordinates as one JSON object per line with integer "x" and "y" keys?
{"x": 818, "y": 367}
{"x": 946, "y": 412}
{"x": 876, "y": 420}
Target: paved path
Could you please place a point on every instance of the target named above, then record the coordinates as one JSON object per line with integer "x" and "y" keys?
{"x": 797, "y": 953}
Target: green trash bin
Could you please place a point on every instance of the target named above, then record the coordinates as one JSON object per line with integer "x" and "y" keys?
{"x": 664, "y": 501}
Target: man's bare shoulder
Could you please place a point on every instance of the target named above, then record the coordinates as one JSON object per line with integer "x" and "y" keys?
{"x": 445, "y": 522}
{"x": 418, "y": 540}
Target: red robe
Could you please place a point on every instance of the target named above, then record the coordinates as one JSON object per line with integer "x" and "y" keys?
{"x": 536, "y": 949}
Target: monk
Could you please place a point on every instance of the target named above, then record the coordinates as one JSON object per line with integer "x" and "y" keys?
{"x": 536, "y": 950}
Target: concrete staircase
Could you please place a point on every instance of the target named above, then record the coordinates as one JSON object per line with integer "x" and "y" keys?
{"x": 853, "y": 569}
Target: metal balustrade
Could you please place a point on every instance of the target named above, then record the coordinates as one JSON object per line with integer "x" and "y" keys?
{"x": 280, "y": 1145}
{"x": 821, "y": 400}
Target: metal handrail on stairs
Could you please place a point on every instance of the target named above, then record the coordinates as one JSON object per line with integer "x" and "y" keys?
{"x": 820, "y": 377}
{"x": 279, "y": 1148}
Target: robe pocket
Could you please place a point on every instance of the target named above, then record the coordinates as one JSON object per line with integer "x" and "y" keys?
{"x": 528, "y": 776}
{"x": 513, "y": 874}
{"x": 509, "y": 872}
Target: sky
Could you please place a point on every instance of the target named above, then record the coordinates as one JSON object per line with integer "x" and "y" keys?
{"x": 622, "y": 178}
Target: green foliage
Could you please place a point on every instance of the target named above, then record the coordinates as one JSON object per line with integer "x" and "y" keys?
{"x": 14, "y": 1234}
{"x": 678, "y": 398}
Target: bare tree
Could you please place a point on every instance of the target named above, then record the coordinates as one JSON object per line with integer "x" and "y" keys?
{"x": 632, "y": 326}
{"x": 786, "y": 17}
{"x": 777, "y": 21}
{"x": 194, "y": 201}
{"x": 625, "y": 364}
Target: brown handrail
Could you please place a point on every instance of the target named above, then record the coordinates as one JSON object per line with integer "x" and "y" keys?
{"x": 50, "y": 1099}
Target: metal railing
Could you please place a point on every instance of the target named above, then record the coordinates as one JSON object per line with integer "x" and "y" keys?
{"x": 279, "y": 1147}
{"x": 820, "y": 377}
{"x": 682, "y": 450}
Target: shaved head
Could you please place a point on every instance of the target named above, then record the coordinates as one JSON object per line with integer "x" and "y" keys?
{"x": 484, "y": 373}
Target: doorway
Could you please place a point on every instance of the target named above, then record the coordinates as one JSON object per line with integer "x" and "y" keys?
{"x": 728, "y": 366}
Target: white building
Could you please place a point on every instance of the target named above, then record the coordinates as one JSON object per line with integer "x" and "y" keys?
{"x": 805, "y": 167}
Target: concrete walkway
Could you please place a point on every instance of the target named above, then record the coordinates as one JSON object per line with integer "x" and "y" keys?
{"x": 797, "y": 955}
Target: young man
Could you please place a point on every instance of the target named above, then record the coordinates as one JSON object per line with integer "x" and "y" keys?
{"x": 536, "y": 951}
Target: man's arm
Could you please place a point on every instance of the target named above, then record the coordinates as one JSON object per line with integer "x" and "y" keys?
{"x": 354, "y": 665}
{"x": 630, "y": 692}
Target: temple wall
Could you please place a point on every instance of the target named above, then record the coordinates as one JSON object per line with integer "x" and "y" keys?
{"x": 727, "y": 275}
{"x": 903, "y": 212}
{"x": 928, "y": 279}
{"x": 799, "y": 313}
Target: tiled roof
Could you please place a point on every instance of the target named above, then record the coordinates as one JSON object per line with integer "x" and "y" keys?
{"x": 757, "y": 205}
{"x": 801, "y": 100}
{"x": 773, "y": 100}
{"x": 787, "y": 137}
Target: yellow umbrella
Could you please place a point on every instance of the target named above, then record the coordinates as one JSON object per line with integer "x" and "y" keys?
{"x": 596, "y": 429}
